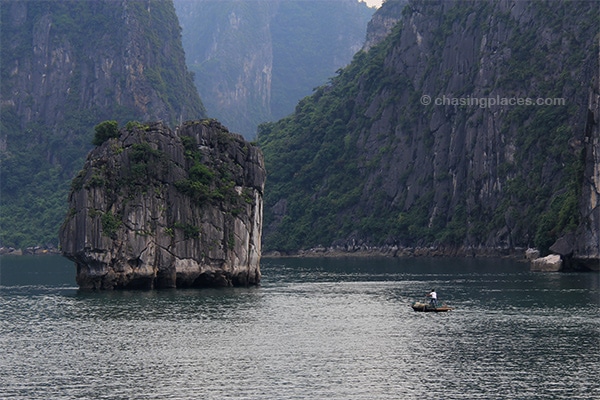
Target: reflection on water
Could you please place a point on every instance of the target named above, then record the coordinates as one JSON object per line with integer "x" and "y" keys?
{"x": 315, "y": 328}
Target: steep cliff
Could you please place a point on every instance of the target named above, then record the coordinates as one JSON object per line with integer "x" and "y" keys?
{"x": 67, "y": 65}
{"x": 229, "y": 48}
{"x": 253, "y": 60}
{"x": 464, "y": 129}
{"x": 155, "y": 208}
{"x": 383, "y": 22}
{"x": 586, "y": 241}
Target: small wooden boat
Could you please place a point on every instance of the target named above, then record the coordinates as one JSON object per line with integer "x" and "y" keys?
{"x": 426, "y": 307}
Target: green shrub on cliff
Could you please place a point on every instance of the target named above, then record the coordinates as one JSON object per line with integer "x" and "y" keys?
{"x": 207, "y": 182}
{"x": 110, "y": 223}
{"x": 104, "y": 131}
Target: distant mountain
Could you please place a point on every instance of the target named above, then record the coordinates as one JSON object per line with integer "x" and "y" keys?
{"x": 472, "y": 127}
{"x": 253, "y": 60}
{"x": 66, "y": 66}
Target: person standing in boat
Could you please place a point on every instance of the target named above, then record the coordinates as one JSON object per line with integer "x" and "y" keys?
{"x": 433, "y": 296}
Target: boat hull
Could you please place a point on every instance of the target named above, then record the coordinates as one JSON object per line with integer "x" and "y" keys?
{"x": 424, "y": 307}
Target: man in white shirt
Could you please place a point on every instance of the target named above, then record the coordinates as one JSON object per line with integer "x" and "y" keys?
{"x": 433, "y": 296}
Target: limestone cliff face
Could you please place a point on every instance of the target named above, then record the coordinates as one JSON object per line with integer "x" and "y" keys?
{"x": 469, "y": 127}
{"x": 66, "y": 66}
{"x": 587, "y": 236}
{"x": 229, "y": 47}
{"x": 157, "y": 209}
{"x": 383, "y": 22}
{"x": 109, "y": 56}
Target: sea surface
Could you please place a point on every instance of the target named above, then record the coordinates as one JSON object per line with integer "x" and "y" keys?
{"x": 314, "y": 329}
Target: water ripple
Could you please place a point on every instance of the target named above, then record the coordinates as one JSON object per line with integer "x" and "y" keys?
{"x": 331, "y": 333}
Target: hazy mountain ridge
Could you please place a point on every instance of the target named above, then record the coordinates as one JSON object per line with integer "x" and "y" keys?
{"x": 253, "y": 60}
{"x": 66, "y": 66}
{"x": 363, "y": 160}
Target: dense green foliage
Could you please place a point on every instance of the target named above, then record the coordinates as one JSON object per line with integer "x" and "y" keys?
{"x": 36, "y": 171}
{"x": 104, "y": 131}
{"x": 308, "y": 41}
{"x": 110, "y": 223}
{"x": 326, "y": 184}
{"x": 312, "y": 161}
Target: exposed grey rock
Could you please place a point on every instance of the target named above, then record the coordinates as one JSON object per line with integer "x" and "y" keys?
{"x": 586, "y": 250}
{"x": 532, "y": 254}
{"x": 66, "y": 65}
{"x": 62, "y": 73}
{"x": 158, "y": 209}
{"x": 551, "y": 263}
{"x": 564, "y": 245}
{"x": 383, "y": 22}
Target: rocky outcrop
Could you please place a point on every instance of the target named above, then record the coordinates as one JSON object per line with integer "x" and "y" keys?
{"x": 580, "y": 249}
{"x": 156, "y": 208}
{"x": 532, "y": 254}
{"x": 551, "y": 263}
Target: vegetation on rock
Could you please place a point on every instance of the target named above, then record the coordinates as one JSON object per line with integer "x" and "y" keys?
{"x": 104, "y": 131}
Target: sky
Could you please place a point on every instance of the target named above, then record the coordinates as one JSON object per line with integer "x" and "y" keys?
{"x": 372, "y": 3}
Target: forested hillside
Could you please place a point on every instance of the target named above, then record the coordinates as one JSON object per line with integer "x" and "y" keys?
{"x": 253, "y": 60}
{"x": 387, "y": 153}
{"x": 66, "y": 66}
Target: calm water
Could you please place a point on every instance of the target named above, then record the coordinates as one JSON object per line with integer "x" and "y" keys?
{"x": 315, "y": 329}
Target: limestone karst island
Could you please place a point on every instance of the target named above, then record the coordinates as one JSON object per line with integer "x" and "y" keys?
{"x": 157, "y": 208}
